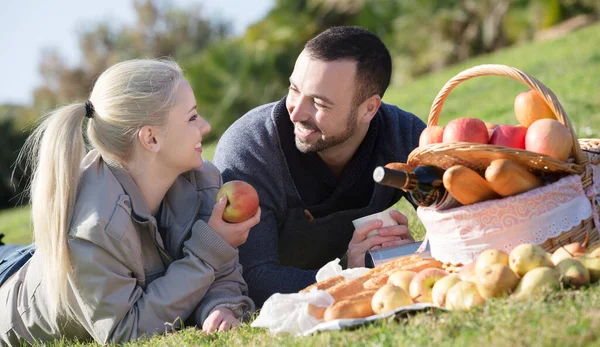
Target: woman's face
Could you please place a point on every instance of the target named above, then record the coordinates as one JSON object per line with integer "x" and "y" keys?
{"x": 182, "y": 142}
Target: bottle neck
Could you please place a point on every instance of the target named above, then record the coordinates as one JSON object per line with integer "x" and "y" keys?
{"x": 395, "y": 178}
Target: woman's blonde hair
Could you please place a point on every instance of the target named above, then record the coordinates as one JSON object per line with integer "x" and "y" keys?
{"x": 126, "y": 97}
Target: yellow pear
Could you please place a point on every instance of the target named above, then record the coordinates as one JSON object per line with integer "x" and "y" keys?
{"x": 592, "y": 264}
{"x": 463, "y": 296}
{"x": 388, "y": 298}
{"x": 526, "y": 257}
{"x": 537, "y": 281}
{"x": 441, "y": 288}
{"x": 496, "y": 281}
{"x": 489, "y": 257}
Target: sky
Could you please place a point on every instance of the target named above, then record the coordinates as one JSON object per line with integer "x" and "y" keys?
{"x": 27, "y": 27}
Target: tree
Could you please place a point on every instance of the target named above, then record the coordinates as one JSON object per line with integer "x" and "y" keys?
{"x": 161, "y": 30}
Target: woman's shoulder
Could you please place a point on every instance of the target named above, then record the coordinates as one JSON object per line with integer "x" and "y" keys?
{"x": 205, "y": 177}
{"x": 99, "y": 192}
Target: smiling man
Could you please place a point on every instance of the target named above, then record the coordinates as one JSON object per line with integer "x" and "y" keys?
{"x": 311, "y": 158}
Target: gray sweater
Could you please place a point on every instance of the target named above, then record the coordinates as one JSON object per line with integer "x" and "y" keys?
{"x": 284, "y": 251}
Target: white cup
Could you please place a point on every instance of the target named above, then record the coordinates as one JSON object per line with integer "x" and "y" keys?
{"x": 384, "y": 216}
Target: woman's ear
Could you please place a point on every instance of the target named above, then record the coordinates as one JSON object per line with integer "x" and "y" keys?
{"x": 148, "y": 138}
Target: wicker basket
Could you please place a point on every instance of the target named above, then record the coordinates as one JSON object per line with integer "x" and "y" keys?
{"x": 479, "y": 156}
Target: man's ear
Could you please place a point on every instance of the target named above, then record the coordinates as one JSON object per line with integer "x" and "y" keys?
{"x": 148, "y": 138}
{"x": 369, "y": 108}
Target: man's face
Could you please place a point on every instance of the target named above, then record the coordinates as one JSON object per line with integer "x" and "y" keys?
{"x": 321, "y": 103}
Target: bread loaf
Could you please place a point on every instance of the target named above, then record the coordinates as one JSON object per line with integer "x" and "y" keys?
{"x": 357, "y": 306}
{"x": 328, "y": 283}
{"x": 508, "y": 178}
{"x": 467, "y": 186}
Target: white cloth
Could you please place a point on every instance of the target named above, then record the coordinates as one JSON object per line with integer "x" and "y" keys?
{"x": 458, "y": 235}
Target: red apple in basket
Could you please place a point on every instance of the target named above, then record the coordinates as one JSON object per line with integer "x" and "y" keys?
{"x": 242, "y": 201}
{"x": 509, "y": 136}
{"x": 422, "y": 284}
{"x": 466, "y": 130}
{"x": 431, "y": 134}
{"x": 549, "y": 137}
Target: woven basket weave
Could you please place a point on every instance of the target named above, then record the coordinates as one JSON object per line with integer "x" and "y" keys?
{"x": 479, "y": 156}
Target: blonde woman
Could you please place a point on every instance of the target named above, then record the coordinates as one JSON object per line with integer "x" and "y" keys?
{"x": 128, "y": 239}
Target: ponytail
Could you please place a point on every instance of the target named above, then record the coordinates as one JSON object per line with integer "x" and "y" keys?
{"x": 54, "y": 152}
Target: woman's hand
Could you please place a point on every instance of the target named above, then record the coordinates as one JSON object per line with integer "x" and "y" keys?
{"x": 390, "y": 236}
{"x": 220, "y": 319}
{"x": 234, "y": 233}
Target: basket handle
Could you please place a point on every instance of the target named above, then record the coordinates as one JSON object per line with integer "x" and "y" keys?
{"x": 503, "y": 70}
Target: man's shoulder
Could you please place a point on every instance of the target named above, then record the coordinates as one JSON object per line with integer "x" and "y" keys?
{"x": 254, "y": 133}
{"x": 393, "y": 112}
{"x": 253, "y": 122}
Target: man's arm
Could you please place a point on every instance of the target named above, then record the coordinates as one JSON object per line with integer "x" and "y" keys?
{"x": 260, "y": 261}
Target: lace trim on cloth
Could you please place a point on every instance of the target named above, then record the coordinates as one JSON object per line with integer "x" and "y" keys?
{"x": 458, "y": 235}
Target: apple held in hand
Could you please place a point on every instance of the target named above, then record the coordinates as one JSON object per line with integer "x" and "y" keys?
{"x": 242, "y": 201}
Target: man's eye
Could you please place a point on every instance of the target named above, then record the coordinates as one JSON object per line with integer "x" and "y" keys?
{"x": 193, "y": 118}
{"x": 320, "y": 105}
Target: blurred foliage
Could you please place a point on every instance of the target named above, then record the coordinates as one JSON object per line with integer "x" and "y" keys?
{"x": 233, "y": 74}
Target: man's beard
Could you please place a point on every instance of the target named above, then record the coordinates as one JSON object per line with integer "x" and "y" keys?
{"x": 323, "y": 144}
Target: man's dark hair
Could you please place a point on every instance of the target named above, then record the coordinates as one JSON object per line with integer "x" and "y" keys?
{"x": 373, "y": 61}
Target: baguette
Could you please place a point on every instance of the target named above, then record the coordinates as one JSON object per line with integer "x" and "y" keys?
{"x": 323, "y": 285}
{"x": 358, "y": 306}
{"x": 375, "y": 282}
{"x": 507, "y": 178}
{"x": 347, "y": 288}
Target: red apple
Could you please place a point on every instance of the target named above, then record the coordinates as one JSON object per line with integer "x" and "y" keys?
{"x": 509, "y": 136}
{"x": 242, "y": 201}
{"x": 431, "y": 134}
{"x": 466, "y": 130}
{"x": 421, "y": 285}
{"x": 549, "y": 137}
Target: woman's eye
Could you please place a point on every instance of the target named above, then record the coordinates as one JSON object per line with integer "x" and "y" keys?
{"x": 193, "y": 118}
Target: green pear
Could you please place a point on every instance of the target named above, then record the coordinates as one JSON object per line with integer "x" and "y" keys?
{"x": 573, "y": 273}
{"x": 537, "y": 281}
{"x": 526, "y": 257}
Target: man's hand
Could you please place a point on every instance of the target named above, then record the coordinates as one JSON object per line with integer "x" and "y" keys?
{"x": 391, "y": 236}
{"x": 234, "y": 233}
{"x": 220, "y": 319}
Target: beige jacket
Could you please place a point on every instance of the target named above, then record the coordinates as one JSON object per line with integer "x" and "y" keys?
{"x": 129, "y": 281}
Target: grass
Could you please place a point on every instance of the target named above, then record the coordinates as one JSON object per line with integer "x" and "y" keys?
{"x": 570, "y": 67}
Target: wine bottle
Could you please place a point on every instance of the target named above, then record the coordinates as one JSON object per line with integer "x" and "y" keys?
{"x": 424, "y": 184}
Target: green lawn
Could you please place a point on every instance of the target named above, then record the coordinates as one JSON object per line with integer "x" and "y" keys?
{"x": 570, "y": 67}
